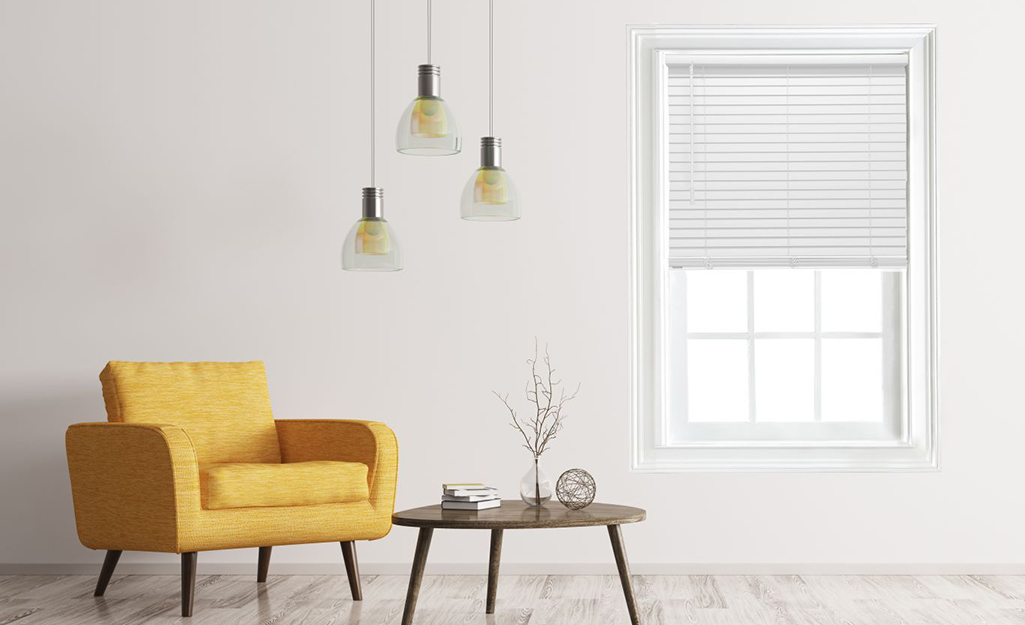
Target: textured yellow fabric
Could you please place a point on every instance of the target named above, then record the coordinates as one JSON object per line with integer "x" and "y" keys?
{"x": 137, "y": 487}
{"x": 252, "y": 485}
{"x": 369, "y": 442}
{"x": 128, "y": 481}
{"x": 223, "y": 406}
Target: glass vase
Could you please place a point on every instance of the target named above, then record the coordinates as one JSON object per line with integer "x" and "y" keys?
{"x": 535, "y": 487}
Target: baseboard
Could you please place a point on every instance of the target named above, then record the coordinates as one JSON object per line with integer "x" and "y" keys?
{"x": 515, "y": 568}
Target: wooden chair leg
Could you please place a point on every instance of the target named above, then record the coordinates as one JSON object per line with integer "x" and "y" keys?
{"x": 263, "y": 565}
{"x": 352, "y": 569}
{"x": 109, "y": 564}
{"x": 188, "y": 581}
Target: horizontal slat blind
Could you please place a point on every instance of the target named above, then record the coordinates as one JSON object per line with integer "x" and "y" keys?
{"x": 787, "y": 164}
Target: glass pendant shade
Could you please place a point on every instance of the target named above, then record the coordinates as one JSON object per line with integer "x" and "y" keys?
{"x": 489, "y": 194}
{"x": 371, "y": 244}
{"x": 428, "y": 127}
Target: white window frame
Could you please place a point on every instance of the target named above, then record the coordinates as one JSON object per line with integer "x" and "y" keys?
{"x": 914, "y": 447}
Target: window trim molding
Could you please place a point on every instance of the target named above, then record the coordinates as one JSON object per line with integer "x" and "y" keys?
{"x": 917, "y": 449}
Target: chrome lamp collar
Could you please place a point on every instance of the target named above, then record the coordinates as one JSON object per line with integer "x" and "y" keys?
{"x": 428, "y": 83}
{"x": 373, "y": 203}
{"x": 490, "y": 152}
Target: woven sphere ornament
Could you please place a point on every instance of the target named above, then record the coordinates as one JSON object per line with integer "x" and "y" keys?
{"x": 575, "y": 489}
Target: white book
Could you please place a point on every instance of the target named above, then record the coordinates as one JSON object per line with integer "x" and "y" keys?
{"x": 471, "y": 505}
{"x": 482, "y": 497}
{"x": 469, "y": 492}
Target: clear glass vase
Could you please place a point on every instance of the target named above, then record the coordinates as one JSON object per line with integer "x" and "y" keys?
{"x": 535, "y": 487}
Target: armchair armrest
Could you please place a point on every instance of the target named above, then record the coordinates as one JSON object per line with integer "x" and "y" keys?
{"x": 134, "y": 485}
{"x": 369, "y": 442}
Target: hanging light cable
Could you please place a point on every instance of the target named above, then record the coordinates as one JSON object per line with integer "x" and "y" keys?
{"x": 490, "y": 195}
{"x": 371, "y": 244}
{"x": 428, "y": 127}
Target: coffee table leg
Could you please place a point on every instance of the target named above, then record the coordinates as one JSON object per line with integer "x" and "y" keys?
{"x": 618, "y": 548}
{"x": 496, "y": 556}
{"x": 423, "y": 544}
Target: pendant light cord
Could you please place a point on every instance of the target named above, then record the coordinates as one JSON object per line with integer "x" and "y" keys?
{"x": 491, "y": 68}
{"x": 428, "y": 32}
{"x": 373, "y": 155}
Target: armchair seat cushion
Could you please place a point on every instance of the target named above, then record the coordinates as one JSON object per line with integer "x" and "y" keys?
{"x": 260, "y": 485}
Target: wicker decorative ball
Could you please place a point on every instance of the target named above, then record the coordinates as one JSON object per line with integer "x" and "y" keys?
{"x": 575, "y": 489}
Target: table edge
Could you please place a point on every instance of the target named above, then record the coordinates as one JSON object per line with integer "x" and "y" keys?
{"x": 485, "y": 524}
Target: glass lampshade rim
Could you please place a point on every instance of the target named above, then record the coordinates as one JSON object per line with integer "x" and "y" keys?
{"x": 490, "y": 217}
{"x": 427, "y": 150}
{"x": 373, "y": 269}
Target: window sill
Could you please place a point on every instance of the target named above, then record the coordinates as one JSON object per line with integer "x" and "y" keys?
{"x": 797, "y": 456}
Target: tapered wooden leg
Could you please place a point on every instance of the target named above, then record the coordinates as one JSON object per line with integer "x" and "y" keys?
{"x": 493, "y": 562}
{"x": 352, "y": 569}
{"x": 109, "y": 564}
{"x": 188, "y": 581}
{"x": 423, "y": 545}
{"x": 263, "y": 565}
{"x": 619, "y": 549}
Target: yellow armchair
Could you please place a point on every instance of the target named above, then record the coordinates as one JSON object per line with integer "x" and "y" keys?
{"x": 191, "y": 460}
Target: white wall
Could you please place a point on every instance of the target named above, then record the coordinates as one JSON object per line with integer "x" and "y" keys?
{"x": 176, "y": 179}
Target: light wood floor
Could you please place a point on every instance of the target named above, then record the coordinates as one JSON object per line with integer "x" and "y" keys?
{"x": 537, "y": 600}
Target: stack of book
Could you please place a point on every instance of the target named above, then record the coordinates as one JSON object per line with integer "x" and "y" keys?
{"x": 473, "y": 496}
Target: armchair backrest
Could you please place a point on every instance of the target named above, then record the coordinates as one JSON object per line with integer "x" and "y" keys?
{"x": 224, "y": 407}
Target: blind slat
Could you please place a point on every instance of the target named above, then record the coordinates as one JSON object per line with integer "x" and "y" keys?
{"x": 786, "y": 163}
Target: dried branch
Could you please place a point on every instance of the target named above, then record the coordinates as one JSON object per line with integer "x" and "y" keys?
{"x": 515, "y": 422}
{"x": 549, "y": 418}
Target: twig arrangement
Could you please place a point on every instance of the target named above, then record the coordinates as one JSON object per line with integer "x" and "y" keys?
{"x": 548, "y": 419}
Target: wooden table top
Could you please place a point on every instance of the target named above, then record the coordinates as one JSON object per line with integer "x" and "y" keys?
{"x": 514, "y": 514}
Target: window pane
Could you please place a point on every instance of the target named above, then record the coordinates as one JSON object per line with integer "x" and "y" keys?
{"x": 852, "y": 380}
{"x": 716, "y": 301}
{"x": 784, "y": 380}
{"x": 717, "y": 380}
{"x": 852, "y": 300}
{"x": 784, "y": 300}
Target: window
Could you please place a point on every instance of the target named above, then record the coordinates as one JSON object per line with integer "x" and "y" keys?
{"x": 783, "y": 249}
{"x": 784, "y": 354}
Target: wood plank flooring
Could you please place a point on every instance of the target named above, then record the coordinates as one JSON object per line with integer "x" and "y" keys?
{"x": 522, "y": 600}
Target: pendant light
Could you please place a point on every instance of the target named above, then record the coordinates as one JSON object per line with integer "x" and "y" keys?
{"x": 428, "y": 127}
{"x": 371, "y": 244}
{"x": 490, "y": 195}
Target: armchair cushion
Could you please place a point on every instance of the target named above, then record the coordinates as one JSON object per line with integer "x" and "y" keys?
{"x": 224, "y": 407}
{"x": 257, "y": 485}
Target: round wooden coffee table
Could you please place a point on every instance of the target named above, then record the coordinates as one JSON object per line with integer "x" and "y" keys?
{"x": 515, "y": 515}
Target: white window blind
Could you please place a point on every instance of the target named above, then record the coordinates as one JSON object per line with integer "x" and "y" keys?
{"x": 787, "y": 160}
